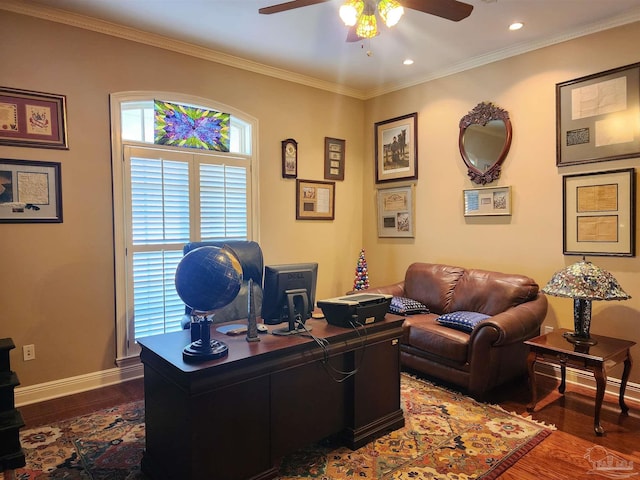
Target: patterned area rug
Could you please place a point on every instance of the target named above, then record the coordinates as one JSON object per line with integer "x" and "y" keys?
{"x": 446, "y": 436}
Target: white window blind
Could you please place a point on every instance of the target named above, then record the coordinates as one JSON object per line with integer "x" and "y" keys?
{"x": 223, "y": 202}
{"x": 164, "y": 194}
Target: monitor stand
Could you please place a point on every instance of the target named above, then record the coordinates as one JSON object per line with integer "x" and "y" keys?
{"x": 298, "y": 312}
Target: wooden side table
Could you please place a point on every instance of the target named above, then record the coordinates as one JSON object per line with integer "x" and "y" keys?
{"x": 553, "y": 347}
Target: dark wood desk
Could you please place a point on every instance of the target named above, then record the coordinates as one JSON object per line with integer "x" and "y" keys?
{"x": 233, "y": 418}
{"x": 553, "y": 347}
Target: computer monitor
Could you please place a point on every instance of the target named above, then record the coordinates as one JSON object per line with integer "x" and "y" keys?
{"x": 289, "y": 293}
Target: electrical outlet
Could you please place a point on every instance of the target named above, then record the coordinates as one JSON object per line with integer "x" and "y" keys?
{"x": 547, "y": 329}
{"x": 29, "y": 352}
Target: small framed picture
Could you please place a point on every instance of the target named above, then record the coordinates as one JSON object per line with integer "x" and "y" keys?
{"x": 334, "y": 158}
{"x": 487, "y": 201}
{"x": 396, "y": 216}
{"x": 315, "y": 200}
{"x": 33, "y": 119}
{"x": 289, "y": 158}
{"x": 599, "y": 213}
{"x": 396, "y": 149}
{"x": 30, "y": 192}
{"x": 597, "y": 117}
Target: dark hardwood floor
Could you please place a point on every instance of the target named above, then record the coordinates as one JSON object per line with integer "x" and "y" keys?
{"x": 562, "y": 455}
{"x": 81, "y": 403}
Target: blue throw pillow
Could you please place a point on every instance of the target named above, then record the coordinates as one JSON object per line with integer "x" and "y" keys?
{"x": 465, "y": 321}
{"x": 406, "y": 306}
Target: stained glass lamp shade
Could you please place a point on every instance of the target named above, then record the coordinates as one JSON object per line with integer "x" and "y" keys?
{"x": 367, "y": 26}
{"x": 390, "y": 11}
{"x": 351, "y": 11}
{"x": 583, "y": 281}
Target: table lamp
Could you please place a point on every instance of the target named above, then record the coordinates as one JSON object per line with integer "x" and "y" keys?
{"x": 583, "y": 281}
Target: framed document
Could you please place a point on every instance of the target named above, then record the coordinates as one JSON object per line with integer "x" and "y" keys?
{"x": 334, "y": 158}
{"x": 599, "y": 213}
{"x": 30, "y": 192}
{"x": 396, "y": 217}
{"x": 315, "y": 200}
{"x": 32, "y": 119}
{"x": 487, "y": 201}
{"x": 597, "y": 117}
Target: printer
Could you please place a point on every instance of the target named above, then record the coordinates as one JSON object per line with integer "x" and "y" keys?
{"x": 351, "y": 310}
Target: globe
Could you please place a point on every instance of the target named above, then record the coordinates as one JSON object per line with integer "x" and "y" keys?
{"x": 208, "y": 278}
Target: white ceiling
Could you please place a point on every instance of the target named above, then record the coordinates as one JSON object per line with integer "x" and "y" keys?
{"x": 308, "y": 44}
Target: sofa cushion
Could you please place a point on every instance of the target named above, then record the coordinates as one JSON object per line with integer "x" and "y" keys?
{"x": 491, "y": 292}
{"x": 406, "y": 306}
{"x": 424, "y": 333}
{"x": 432, "y": 284}
{"x": 465, "y": 321}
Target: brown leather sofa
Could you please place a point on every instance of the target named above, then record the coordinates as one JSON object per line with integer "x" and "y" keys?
{"x": 493, "y": 353}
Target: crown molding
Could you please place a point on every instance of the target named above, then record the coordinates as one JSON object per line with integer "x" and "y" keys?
{"x": 166, "y": 43}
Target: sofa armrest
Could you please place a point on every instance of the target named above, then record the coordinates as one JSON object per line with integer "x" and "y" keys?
{"x": 518, "y": 323}
{"x": 395, "y": 289}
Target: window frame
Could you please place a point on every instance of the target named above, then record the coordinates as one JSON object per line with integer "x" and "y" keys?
{"x": 127, "y": 350}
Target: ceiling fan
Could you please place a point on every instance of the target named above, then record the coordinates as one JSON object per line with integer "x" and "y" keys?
{"x": 366, "y": 27}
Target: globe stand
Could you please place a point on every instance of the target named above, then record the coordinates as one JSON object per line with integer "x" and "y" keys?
{"x": 205, "y": 348}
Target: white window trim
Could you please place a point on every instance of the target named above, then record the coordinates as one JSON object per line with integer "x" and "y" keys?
{"x": 124, "y": 351}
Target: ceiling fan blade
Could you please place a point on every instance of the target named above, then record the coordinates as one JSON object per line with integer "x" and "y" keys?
{"x": 283, "y": 7}
{"x": 449, "y": 9}
{"x": 352, "y": 36}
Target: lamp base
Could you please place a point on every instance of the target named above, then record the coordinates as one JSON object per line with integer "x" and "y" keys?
{"x": 579, "y": 340}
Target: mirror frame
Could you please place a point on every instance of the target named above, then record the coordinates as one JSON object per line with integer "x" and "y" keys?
{"x": 481, "y": 114}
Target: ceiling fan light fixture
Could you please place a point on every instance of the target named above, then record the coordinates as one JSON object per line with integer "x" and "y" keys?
{"x": 350, "y": 11}
{"x": 390, "y": 11}
{"x": 367, "y": 26}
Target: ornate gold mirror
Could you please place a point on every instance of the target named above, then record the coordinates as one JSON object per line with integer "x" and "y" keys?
{"x": 485, "y": 138}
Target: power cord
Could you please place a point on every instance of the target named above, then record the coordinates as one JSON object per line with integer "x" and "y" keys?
{"x": 335, "y": 374}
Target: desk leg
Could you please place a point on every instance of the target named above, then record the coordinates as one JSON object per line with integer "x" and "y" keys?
{"x": 623, "y": 384}
{"x": 601, "y": 383}
{"x": 531, "y": 362}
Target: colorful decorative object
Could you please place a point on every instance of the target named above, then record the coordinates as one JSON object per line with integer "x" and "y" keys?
{"x": 361, "y": 281}
{"x": 191, "y": 127}
{"x": 583, "y": 281}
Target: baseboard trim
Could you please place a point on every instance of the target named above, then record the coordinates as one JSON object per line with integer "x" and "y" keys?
{"x": 82, "y": 383}
{"x": 586, "y": 379}
{"x": 134, "y": 370}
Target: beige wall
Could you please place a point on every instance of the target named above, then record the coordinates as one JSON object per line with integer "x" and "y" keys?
{"x": 529, "y": 241}
{"x": 57, "y": 291}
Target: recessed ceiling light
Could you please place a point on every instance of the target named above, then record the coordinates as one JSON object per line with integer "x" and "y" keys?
{"x": 408, "y": 61}
{"x": 516, "y": 26}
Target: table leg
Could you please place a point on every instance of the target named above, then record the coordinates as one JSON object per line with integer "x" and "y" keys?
{"x": 601, "y": 383}
{"x": 623, "y": 383}
{"x": 531, "y": 361}
{"x": 563, "y": 378}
